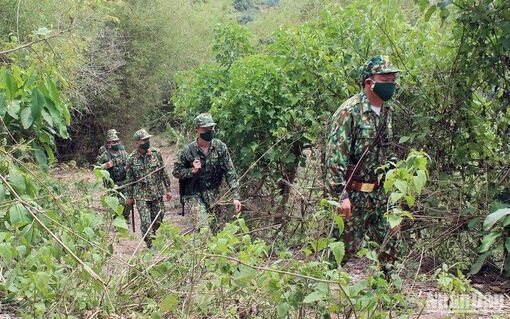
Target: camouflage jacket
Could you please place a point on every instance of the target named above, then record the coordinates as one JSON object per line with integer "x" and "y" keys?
{"x": 354, "y": 126}
{"x": 147, "y": 177}
{"x": 118, "y": 170}
{"x": 216, "y": 164}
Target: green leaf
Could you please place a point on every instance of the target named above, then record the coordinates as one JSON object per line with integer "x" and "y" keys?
{"x": 283, "y": 310}
{"x": 6, "y": 252}
{"x": 13, "y": 107}
{"x": 394, "y": 220}
{"x": 475, "y": 268}
{"x": 315, "y": 296}
{"x": 492, "y": 219}
{"x": 507, "y": 246}
{"x": 338, "y": 249}
{"x": 429, "y": 12}
{"x": 10, "y": 85}
{"x": 120, "y": 222}
{"x": 404, "y": 139}
{"x": 395, "y": 197}
{"x": 112, "y": 202}
{"x": 488, "y": 240}
{"x": 243, "y": 275}
{"x": 419, "y": 181}
{"x": 19, "y": 216}
{"x": 41, "y": 157}
{"x": 37, "y": 103}
{"x": 3, "y": 104}
{"x": 169, "y": 303}
{"x": 16, "y": 180}
{"x": 26, "y": 118}
{"x": 401, "y": 186}
{"x": 339, "y": 220}
{"x": 42, "y": 280}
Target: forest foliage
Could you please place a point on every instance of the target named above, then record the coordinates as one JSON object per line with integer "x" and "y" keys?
{"x": 271, "y": 73}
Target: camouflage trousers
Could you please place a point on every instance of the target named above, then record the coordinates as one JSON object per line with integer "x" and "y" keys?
{"x": 368, "y": 220}
{"x": 203, "y": 211}
{"x": 150, "y": 211}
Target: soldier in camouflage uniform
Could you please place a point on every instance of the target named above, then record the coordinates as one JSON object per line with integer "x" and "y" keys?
{"x": 354, "y": 127}
{"x": 148, "y": 182}
{"x": 104, "y": 147}
{"x": 114, "y": 160}
{"x": 201, "y": 165}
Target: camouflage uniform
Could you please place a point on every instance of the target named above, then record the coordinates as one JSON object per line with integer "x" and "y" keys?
{"x": 117, "y": 171}
{"x": 202, "y": 190}
{"x": 103, "y": 148}
{"x": 354, "y": 126}
{"x": 147, "y": 181}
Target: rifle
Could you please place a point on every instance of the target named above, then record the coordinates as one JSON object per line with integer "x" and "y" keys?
{"x": 133, "y": 217}
{"x": 352, "y": 170}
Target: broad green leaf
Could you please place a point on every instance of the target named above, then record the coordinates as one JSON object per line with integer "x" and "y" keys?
{"x": 42, "y": 280}
{"x": 19, "y": 216}
{"x": 169, "y": 303}
{"x": 507, "y": 246}
{"x": 395, "y": 197}
{"x": 112, "y": 202}
{"x": 41, "y": 158}
{"x": 401, "y": 186}
{"x": 6, "y": 252}
{"x": 488, "y": 240}
{"x": 475, "y": 268}
{"x": 17, "y": 180}
{"x": 120, "y": 222}
{"x": 493, "y": 218}
{"x": 404, "y": 139}
{"x": 394, "y": 220}
{"x": 315, "y": 296}
{"x": 37, "y": 104}
{"x": 243, "y": 275}
{"x": 26, "y": 118}
{"x": 419, "y": 181}
{"x": 283, "y": 310}
{"x": 338, "y": 249}
{"x": 10, "y": 85}
{"x": 13, "y": 107}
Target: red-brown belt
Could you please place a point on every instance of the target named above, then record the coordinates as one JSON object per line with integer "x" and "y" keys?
{"x": 364, "y": 187}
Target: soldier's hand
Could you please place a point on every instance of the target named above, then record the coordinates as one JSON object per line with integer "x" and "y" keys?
{"x": 108, "y": 165}
{"x": 197, "y": 165}
{"x": 168, "y": 195}
{"x": 237, "y": 205}
{"x": 345, "y": 208}
{"x": 131, "y": 201}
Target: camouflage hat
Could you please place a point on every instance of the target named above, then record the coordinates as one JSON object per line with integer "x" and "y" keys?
{"x": 141, "y": 134}
{"x": 377, "y": 65}
{"x": 111, "y": 135}
{"x": 203, "y": 120}
{"x": 112, "y": 131}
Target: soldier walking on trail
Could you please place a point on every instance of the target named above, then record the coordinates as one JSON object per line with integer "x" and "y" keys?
{"x": 200, "y": 167}
{"x": 114, "y": 160}
{"x": 147, "y": 183}
{"x": 361, "y": 122}
{"x": 104, "y": 147}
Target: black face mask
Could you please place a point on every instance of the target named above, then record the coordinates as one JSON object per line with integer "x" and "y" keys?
{"x": 384, "y": 90}
{"x": 116, "y": 147}
{"x": 146, "y": 145}
{"x": 207, "y": 136}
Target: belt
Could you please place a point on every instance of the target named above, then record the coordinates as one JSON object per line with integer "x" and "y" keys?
{"x": 364, "y": 187}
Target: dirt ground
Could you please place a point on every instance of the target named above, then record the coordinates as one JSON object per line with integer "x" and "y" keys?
{"x": 493, "y": 302}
